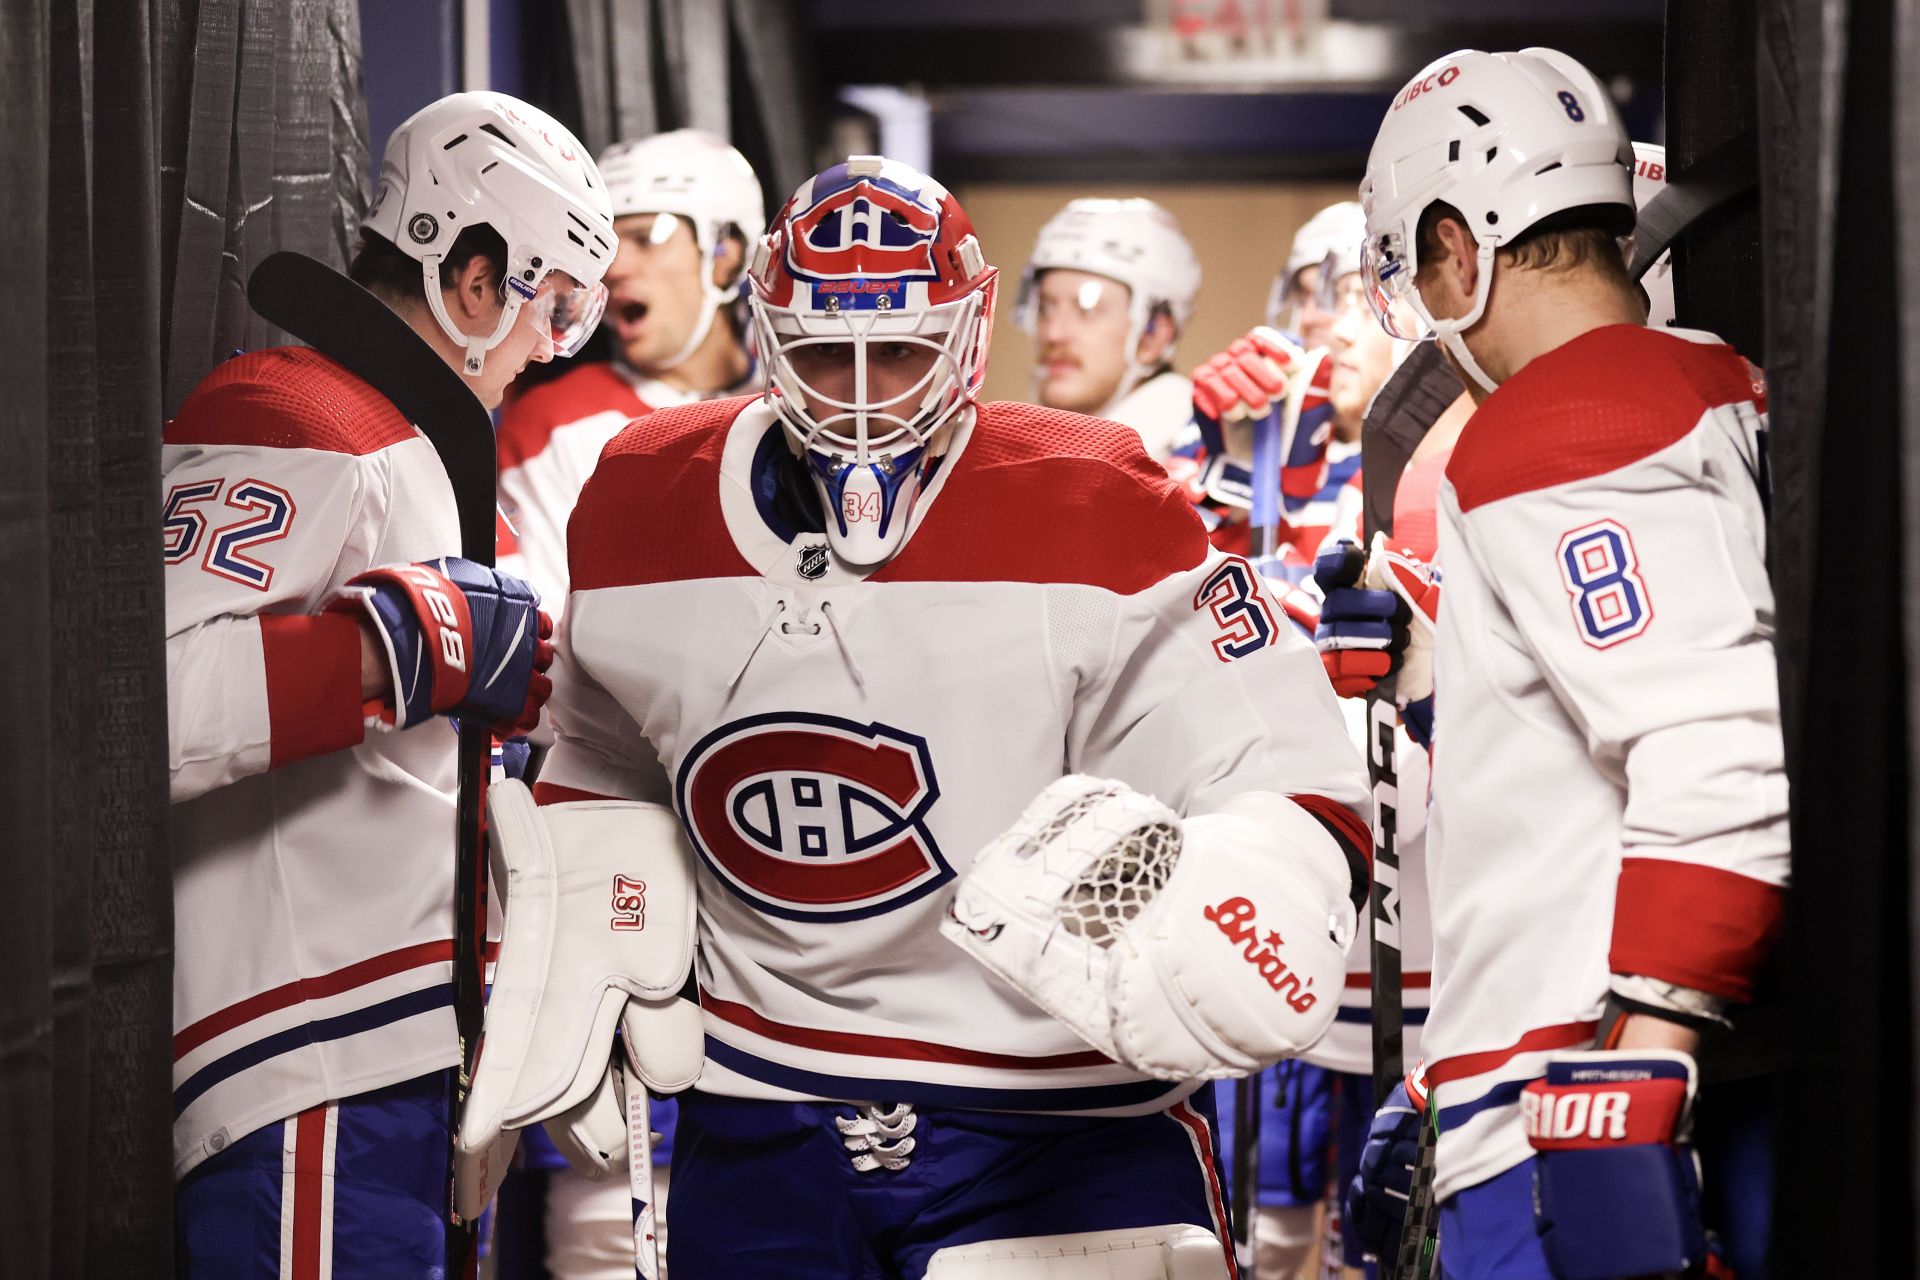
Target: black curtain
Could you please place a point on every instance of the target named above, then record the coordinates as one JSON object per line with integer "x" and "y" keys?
{"x": 154, "y": 152}
{"x": 732, "y": 67}
{"x": 1840, "y": 237}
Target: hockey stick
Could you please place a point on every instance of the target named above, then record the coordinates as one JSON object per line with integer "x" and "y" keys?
{"x": 646, "y": 1250}
{"x": 1410, "y": 402}
{"x": 1246, "y": 1168}
{"x": 344, "y": 322}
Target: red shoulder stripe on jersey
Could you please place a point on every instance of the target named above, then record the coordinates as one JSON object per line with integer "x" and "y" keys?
{"x": 529, "y": 419}
{"x": 554, "y": 793}
{"x": 651, "y": 510}
{"x": 1041, "y": 495}
{"x": 313, "y": 685}
{"x": 871, "y": 1046}
{"x": 358, "y": 974}
{"x": 1701, "y": 927}
{"x": 1567, "y": 1035}
{"x": 288, "y": 398}
{"x": 1601, "y": 402}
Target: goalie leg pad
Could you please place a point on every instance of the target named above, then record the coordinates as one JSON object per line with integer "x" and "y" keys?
{"x": 598, "y": 910}
{"x": 1174, "y": 1252}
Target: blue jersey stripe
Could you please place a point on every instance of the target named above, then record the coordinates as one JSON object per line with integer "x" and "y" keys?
{"x": 351, "y": 1023}
{"x": 821, "y": 1085}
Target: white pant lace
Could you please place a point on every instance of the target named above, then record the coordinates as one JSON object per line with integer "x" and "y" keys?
{"x": 879, "y": 1139}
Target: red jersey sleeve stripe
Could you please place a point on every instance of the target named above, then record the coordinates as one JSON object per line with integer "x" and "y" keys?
{"x": 313, "y": 685}
{"x": 359, "y": 974}
{"x": 1567, "y": 1035}
{"x": 554, "y": 793}
{"x": 1351, "y": 834}
{"x": 1701, "y": 927}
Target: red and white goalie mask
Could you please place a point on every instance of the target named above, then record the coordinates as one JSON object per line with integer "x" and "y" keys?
{"x": 872, "y": 306}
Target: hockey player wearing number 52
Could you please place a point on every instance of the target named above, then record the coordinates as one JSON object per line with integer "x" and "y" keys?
{"x": 318, "y": 631}
{"x": 1018, "y": 812}
{"x": 1608, "y": 843}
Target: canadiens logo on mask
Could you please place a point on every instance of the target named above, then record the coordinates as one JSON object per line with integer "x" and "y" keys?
{"x": 813, "y": 817}
{"x": 868, "y": 237}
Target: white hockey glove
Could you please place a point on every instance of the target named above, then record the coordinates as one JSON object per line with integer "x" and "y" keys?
{"x": 1186, "y": 949}
{"x": 598, "y": 931}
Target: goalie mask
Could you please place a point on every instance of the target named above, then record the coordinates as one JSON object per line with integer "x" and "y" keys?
{"x": 872, "y": 306}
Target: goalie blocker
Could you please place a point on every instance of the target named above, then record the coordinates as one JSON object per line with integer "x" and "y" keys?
{"x": 598, "y": 932}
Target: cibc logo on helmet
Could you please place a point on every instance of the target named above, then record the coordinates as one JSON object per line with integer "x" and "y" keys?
{"x": 1427, "y": 85}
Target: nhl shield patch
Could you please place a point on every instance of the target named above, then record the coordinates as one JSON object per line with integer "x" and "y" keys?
{"x": 812, "y": 562}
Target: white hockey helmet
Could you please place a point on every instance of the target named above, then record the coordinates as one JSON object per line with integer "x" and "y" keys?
{"x": 1649, "y": 180}
{"x": 1133, "y": 241}
{"x": 871, "y": 254}
{"x": 697, "y": 176}
{"x": 1509, "y": 140}
{"x": 1331, "y": 239}
{"x": 486, "y": 158}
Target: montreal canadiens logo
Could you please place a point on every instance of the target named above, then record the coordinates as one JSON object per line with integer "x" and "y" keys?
{"x": 812, "y": 817}
{"x": 868, "y": 231}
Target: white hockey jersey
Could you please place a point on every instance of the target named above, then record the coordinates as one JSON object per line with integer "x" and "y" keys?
{"x": 313, "y": 871}
{"x": 838, "y": 745}
{"x": 1159, "y": 409}
{"x": 547, "y": 442}
{"x": 1609, "y": 792}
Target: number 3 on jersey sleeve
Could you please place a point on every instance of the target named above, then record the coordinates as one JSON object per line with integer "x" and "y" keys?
{"x": 1599, "y": 568}
{"x": 1232, "y": 593}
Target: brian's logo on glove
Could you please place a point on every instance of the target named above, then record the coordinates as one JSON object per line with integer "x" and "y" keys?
{"x": 629, "y": 903}
{"x": 813, "y": 817}
{"x": 1235, "y": 918}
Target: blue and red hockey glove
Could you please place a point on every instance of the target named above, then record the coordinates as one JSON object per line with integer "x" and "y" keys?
{"x": 461, "y": 639}
{"x": 1616, "y": 1181}
{"x": 1376, "y": 1200}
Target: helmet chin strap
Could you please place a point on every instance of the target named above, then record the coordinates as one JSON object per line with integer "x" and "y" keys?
{"x": 711, "y": 296}
{"x": 476, "y": 345}
{"x": 1452, "y": 333}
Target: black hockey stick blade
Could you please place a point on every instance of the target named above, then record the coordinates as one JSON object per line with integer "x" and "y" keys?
{"x": 1406, "y": 406}
{"x": 1724, "y": 174}
{"x": 341, "y": 320}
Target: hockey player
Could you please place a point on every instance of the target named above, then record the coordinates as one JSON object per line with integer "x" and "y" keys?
{"x": 316, "y": 633}
{"x": 1298, "y": 303}
{"x": 1604, "y": 680}
{"x": 1105, "y": 296}
{"x": 870, "y": 639}
{"x": 687, "y": 207}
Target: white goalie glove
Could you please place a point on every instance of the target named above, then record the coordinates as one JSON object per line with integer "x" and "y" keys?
{"x": 1187, "y": 949}
{"x": 598, "y": 932}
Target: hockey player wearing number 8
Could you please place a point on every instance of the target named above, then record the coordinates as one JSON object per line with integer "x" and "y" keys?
{"x": 1018, "y": 812}
{"x": 1604, "y": 689}
{"x": 319, "y": 628}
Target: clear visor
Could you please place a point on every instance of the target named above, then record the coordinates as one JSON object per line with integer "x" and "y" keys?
{"x": 865, "y": 383}
{"x": 1386, "y": 277}
{"x": 566, "y": 311}
{"x": 1037, "y": 304}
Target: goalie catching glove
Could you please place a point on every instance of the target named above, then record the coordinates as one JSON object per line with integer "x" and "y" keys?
{"x": 1188, "y": 948}
{"x": 598, "y": 932}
